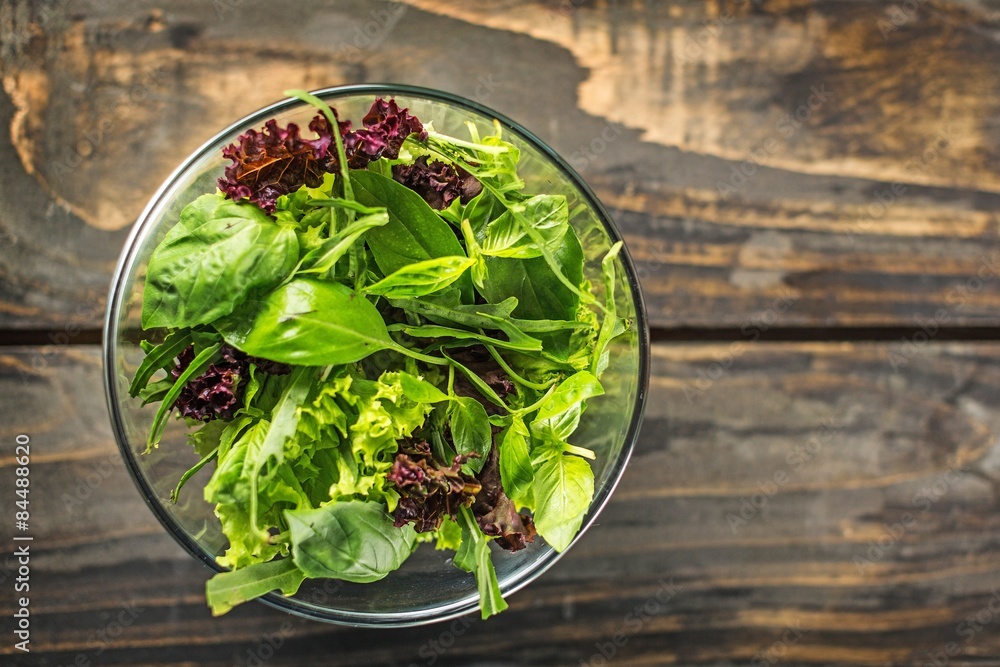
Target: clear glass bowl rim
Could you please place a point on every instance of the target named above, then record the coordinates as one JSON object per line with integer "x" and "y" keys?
{"x": 290, "y": 604}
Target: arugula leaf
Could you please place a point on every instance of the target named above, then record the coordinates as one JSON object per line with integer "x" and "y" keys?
{"x": 421, "y": 278}
{"x": 201, "y": 361}
{"x": 211, "y": 261}
{"x": 284, "y": 423}
{"x": 227, "y": 589}
{"x": 470, "y": 430}
{"x": 473, "y": 555}
{"x": 563, "y": 489}
{"x": 480, "y": 315}
{"x": 354, "y": 541}
{"x": 518, "y": 340}
{"x": 610, "y": 326}
{"x": 308, "y": 322}
{"x": 160, "y": 356}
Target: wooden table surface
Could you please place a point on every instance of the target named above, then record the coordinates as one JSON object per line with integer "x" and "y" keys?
{"x": 811, "y": 191}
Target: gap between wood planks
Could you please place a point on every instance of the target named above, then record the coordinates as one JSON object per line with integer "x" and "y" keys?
{"x": 834, "y": 334}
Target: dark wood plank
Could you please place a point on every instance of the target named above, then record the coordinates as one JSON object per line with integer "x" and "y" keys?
{"x": 810, "y": 494}
{"x": 656, "y": 104}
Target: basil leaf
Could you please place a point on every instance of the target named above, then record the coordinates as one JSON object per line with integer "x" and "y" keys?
{"x": 559, "y": 415}
{"x": 563, "y": 489}
{"x": 470, "y": 430}
{"x": 212, "y": 259}
{"x": 353, "y": 540}
{"x": 325, "y": 256}
{"x": 539, "y": 292}
{"x": 483, "y": 208}
{"x": 515, "y": 465}
{"x": 227, "y": 589}
{"x": 422, "y": 278}
{"x": 310, "y": 323}
{"x": 507, "y": 237}
{"x": 414, "y": 233}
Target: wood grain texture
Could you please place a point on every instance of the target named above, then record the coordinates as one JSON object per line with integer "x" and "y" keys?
{"x": 877, "y": 206}
{"x": 805, "y": 504}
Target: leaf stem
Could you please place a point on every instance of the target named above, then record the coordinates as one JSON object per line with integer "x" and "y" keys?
{"x": 331, "y": 116}
{"x": 191, "y": 472}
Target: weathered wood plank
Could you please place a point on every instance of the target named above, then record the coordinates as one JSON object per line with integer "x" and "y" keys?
{"x": 877, "y": 207}
{"x": 804, "y": 499}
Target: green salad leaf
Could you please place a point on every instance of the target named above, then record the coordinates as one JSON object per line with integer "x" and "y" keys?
{"x": 212, "y": 260}
{"x": 352, "y": 540}
{"x": 308, "y": 322}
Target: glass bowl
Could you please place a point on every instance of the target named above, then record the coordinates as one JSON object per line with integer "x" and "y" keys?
{"x": 428, "y": 587}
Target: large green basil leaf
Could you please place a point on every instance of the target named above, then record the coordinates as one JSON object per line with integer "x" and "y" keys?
{"x": 415, "y": 233}
{"x": 563, "y": 489}
{"x": 354, "y": 541}
{"x": 539, "y": 292}
{"x": 212, "y": 259}
{"x": 309, "y": 323}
